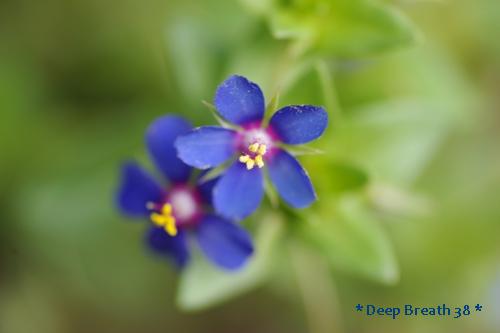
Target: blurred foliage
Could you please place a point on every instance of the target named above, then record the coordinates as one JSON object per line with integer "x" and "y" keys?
{"x": 203, "y": 285}
{"x": 342, "y": 27}
{"x": 408, "y": 178}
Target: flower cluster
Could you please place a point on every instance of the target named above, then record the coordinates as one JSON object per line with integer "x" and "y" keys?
{"x": 209, "y": 210}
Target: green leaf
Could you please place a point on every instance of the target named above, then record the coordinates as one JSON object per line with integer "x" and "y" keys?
{"x": 190, "y": 62}
{"x": 328, "y": 88}
{"x": 301, "y": 150}
{"x": 334, "y": 177}
{"x": 203, "y": 285}
{"x": 215, "y": 172}
{"x": 271, "y": 108}
{"x": 271, "y": 193}
{"x": 352, "y": 240}
{"x": 344, "y": 177}
{"x": 344, "y": 27}
{"x": 258, "y": 6}
{"x": 393, "y": 141}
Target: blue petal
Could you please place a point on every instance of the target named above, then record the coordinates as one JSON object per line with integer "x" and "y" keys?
{"x": 296, "y": 124}
{"x": 136, "y": 189}
{"x": 239, "y": 100}
{"x": 160, "y": 139}
{"x": 206, "y": 147}
{"x": 174, "y": 247}
{"x": 291, "y": 180}
{"x": 239, "y": 191}
{"x": 224, "y": 243}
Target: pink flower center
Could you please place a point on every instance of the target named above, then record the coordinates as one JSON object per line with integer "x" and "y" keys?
{"x": 256, "y": 144}
{"x": 182, "y": 208}
{"x": 185, "y": 203}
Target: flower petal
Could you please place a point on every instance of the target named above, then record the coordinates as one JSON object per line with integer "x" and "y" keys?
{"x": 239, "y": 100}
{"x": 206, "y": 147}
{"x": 136, "y": 189}
{"x": 226, "y": 244}
{"x": 160, "y": 138}
{"x": 174, "y": 247}
{"x": 296, "y": 124}
{"x": 291, "y": 180}
{"x": 239, "y": 191}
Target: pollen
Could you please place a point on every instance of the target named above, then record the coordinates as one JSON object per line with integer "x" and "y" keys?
{"x": 257, "y": 151}
{"x": 250, "y": 164}
{"x": 165, "y": 219}
{"x": 259, "y": 161}
{"x": 244, "y": 158}
{"x": 254, "y": 147}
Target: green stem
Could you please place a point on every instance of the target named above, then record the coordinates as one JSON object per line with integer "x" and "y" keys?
{"x": 329, "y": 93}
{"x": 316, "y": 289}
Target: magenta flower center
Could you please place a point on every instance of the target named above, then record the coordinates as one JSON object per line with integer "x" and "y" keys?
{"x": 185, "y": 204}
{"x": 256, "y": 144}
{"x": 256, "y": 135}
{"x": 182, "y": 208}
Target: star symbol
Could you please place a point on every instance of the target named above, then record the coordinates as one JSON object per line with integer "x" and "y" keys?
{"x": 479, "y": 307}
{"x": 359, "y": 307}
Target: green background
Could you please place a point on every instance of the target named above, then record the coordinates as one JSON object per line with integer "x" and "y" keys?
{"x": 408, "y": 181}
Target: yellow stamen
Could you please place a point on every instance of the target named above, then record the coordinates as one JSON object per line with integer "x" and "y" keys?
{"x": 244, "y": 158}
{"x": 259, "y": 161}
{"x": 165, "y": 219}
{"x": 254, "y": 147}
{"x": 250, "y": 164}
{"x": 166, "y": 209}
{"x": 258, "y": 150}
{"x": 170, "y": 226}
{"x": 157, "y": 219}
{"x": 262, "y": 149}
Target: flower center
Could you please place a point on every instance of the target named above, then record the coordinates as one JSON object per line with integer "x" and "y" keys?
{"x": 180, "y": 209}
{"x": 255, "y": 143}
{"x": 184, "y": 203}
{"x": 165, "y": 219}
{"x": 257, "y": 135}
{"x": 254, "y": 157}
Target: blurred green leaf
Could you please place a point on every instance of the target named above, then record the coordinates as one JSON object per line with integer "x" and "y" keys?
{"x": 334, "y": 177}
{"x": 20, "y": 95}
{"x": 398, "y": 203}
{"x": 343, "y": 27}
{"x": 202, "y": 285}
{"x": 271, "y": 107}
{"x": 393, "y": 141}
{"x": 258, "y": 6}
{"x": 262, "y": 63}
{"x": 345, "y": 177}
{"x": 352, "y": 240}
{"x": 191, "y": 64}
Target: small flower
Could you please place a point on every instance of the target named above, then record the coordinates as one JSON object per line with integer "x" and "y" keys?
{"x": 181, "y": 209}
{"x": 253, "y": 146}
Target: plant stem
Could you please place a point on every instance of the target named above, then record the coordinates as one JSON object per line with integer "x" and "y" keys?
{"x": 317, "y": 290}
{"x": 329, "y": 93}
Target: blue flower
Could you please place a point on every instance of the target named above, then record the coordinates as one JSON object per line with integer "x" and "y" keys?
{"x": 181, "y": 209}
{"x": 253, "y": 145}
